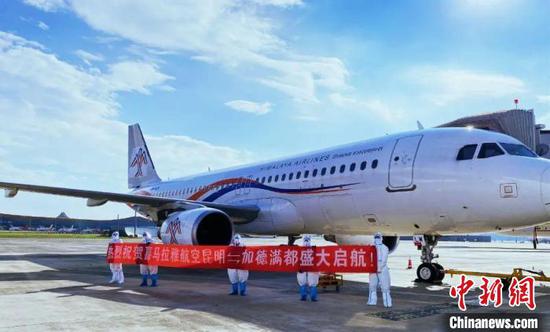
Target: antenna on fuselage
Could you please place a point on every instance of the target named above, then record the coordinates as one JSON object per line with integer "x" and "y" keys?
{"x": 419, "y": 125}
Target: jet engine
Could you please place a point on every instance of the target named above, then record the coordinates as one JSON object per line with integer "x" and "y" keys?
{"x": 390, "y": 241}
{"x": 201, "y": 226}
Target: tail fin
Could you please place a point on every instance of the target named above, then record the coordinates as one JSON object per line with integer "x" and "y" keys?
{"x": 141, "y": 170}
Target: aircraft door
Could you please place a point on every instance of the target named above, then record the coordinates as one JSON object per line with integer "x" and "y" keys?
{"x": 401, "y": 167}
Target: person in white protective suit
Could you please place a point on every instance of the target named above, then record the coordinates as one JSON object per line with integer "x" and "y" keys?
{"x": 148, "y": 270}
{"x": 382, "y": 276}
{"x": 237, "y": 278}
{"x": 308, "y": 280}
{"x": 116, "y": 268}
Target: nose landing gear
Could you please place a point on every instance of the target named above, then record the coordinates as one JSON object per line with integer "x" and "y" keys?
{"x": 428, "y": 271}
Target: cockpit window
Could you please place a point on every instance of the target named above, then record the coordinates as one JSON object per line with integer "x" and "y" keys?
{"x": 466, "y": 152}
{"x": 518, "y": 150}
{"x": 489, "y": 150}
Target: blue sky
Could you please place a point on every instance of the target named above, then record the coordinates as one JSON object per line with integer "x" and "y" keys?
{"x": 220, "y": 83}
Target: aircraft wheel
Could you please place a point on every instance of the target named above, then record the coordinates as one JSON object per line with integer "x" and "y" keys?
{"x": 440, "y": 270}
{"x": 427, "y": 272}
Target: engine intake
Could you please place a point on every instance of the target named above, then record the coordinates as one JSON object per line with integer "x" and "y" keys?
{"x": 202, "y": 226}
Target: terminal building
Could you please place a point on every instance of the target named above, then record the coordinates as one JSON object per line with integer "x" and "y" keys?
{"x": 131, "y": 226}
{"x": 518, "y": 123}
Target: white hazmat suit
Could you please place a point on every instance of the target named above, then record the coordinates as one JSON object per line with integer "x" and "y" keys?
{"x": 148, "y": 270}
{"x": 308, "y": 280}
{"x": 382, "y": 277}
{"x": 237, "y": 278}
{"x": 116, "y": 268}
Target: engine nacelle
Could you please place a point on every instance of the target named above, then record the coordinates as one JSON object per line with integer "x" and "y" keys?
{"x": 390, "y": 241}
{"x": 202, "y": 226}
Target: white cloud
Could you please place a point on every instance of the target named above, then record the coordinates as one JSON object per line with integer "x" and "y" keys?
{"x": 10, "y": 40}
{"x": 249, "y": 106}
{"x": 544, "y": 99}
{"x": 60, "y": 127}
{"x": 136, "y": 76}
{"x": 47, "y": 5}
{"x": 88, "y": 57}
{"x": 174, "y": 155}
{"x": 279, "y": 3}
{"x": 372, "y": 105}
{"x": 448, "y": 85}
{"x": 230, "y": 33}
{"x": 43, "y": 26}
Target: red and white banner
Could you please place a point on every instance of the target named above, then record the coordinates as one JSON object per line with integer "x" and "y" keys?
{"x": 360, "y": 259}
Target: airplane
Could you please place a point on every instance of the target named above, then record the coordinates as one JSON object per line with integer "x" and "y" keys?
{"x": 45, "y": 229}
{"x": 15, "y": 228}
{"x": 429, "y": 182}
{"x": 67, "y": 229}
{"x": 90, "y": 230}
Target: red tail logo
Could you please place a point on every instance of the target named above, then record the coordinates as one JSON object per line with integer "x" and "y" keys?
{"x": 140, "y": 159}
{"x": 174, "y": 227}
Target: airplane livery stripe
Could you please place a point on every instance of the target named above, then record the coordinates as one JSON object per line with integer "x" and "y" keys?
{"x": 257, "y": 185}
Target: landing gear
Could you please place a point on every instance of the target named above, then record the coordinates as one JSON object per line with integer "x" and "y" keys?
{"x": 292, "y": 239}
{"x": 535, "y": 239}
{"x": 428, "y": 271}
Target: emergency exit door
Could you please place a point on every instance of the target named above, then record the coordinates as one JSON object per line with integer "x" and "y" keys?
{"x": 401, "y": 171}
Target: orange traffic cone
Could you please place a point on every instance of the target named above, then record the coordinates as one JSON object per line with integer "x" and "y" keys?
{"x": 410, "y": 264}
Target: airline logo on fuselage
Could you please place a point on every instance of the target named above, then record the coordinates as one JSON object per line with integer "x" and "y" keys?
{"x": 140, "y": 159}
{"x": 174, "y": 228}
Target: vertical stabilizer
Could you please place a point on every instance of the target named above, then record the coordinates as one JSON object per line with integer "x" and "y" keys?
{"x": 141, "y": 170}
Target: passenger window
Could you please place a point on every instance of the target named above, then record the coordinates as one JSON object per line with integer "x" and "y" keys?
{"x": 489, "y": 150}
{"x": 277, "y": 178}
{"x": 466, "y": 152}
{"x": 342, "y": 168}
{"x": 323, "y": 171}
{"x": 374, "y": 164}
{"x": 306, "y": 174}
{"x": 283, "y": 177}
{"x": 332, "y": 169}
{"x": 257, "y": 179}
{"x": 363, "y": 165}
{"x": 314, "y": 174}
{"x": 263, "y": 179}
{"x": 290, "y": 176}
{"x": 269, "y": 179}
{"x": 298, "y": 174}
{"x": 352, "y": 167}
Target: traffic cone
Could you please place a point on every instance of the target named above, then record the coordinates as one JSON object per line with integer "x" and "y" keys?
{"x": 410, "y": 264}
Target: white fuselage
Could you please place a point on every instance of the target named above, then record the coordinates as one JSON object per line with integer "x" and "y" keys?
{"x": 412, "y": 183}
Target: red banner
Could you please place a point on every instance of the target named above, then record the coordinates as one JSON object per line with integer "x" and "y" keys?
{"x": 360, "y": 259}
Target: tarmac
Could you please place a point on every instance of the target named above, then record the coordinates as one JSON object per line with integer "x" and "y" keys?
{"x": 62, "y": 285}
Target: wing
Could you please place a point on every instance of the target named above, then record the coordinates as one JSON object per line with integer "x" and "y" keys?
{"x": 238, "y": 214}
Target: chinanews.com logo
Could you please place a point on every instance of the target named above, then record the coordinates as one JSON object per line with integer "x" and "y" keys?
{"x": 521, "y": 291}
{"x": 140, "y": 159}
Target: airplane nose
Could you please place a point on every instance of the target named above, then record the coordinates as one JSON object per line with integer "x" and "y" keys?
{"x": 545, "y": 189}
